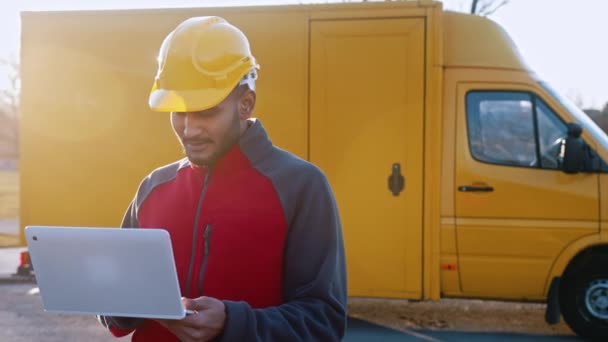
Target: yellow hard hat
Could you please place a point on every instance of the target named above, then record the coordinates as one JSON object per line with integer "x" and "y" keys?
{"x": 199, "y": 64}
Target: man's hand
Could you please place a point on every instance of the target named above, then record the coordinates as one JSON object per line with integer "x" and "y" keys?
{"x": 206, "y": 323}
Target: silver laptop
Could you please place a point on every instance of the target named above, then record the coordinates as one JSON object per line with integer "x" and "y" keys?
{"x": 105, "y": 271}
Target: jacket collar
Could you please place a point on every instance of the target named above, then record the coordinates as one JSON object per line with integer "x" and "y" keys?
{"x": 252, "y": 146}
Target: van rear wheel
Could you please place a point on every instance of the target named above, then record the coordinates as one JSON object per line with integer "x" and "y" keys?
{"x": 584, "y": 298}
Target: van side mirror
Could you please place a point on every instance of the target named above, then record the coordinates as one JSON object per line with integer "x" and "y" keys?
{"x": 573, "y": 150}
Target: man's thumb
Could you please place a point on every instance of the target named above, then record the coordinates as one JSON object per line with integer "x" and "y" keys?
{"x": 189, "y": 304}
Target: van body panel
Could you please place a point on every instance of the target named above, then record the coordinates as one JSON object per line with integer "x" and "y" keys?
{"x": 356, "y": 89}
{"x": 360, "y": 132}
{"x": 508, "y": 237}
{"x": 462, "y": 50}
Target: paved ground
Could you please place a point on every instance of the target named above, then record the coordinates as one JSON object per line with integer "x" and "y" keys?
{"x": 448, "y": 314}
{"x": 363, "y": 331}
{"x": 9, "y": 260}
{"x": 22, "y": 318}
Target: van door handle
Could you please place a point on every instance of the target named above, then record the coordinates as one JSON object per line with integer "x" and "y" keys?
{"x": 396, "y": 181}
{"x": 470, "y": 188}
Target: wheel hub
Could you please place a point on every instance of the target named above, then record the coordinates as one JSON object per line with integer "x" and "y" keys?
{"x": 596, "y": 298}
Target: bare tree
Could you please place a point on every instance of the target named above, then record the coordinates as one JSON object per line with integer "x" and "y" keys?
{"x": 577, "y": 98}
{"x": 600, "y": 117}
{"x": 486, "y": 7}
{"x": 9, "y": 110}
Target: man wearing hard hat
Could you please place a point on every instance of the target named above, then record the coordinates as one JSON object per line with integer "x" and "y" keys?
{"x": 255, "y": 230}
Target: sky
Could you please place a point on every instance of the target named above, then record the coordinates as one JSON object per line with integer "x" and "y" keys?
{"x": 560, "y": 39}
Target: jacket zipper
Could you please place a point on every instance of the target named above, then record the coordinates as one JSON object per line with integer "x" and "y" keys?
{"x": 195, "y": 233}
{"x": 207, "y": 235}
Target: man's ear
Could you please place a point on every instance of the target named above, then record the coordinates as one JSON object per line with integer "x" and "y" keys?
{"x": 247, "y": 104}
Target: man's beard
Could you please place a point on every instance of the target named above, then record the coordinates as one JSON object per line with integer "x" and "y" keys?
{"x": 230, "y": 139}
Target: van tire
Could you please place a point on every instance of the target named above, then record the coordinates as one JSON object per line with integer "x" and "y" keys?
{"x": 582, "y": 281}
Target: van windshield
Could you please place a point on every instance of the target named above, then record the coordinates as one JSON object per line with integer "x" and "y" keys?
{"x": 583, "y": 119}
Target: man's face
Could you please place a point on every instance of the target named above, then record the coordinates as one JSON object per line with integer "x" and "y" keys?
{"x": 207, "y": 135}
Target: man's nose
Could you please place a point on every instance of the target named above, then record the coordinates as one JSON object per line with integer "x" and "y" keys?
{"x": 193, "y": 125}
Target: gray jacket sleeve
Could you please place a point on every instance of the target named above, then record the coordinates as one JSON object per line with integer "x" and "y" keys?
{"x": 314, "y": 284}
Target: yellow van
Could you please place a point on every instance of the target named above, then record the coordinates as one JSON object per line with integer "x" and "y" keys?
{"x": 458, "y": 173}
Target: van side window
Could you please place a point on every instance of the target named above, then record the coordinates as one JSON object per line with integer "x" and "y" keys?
{"x": 501, "y": 128}
{"x": 513, "y": 128}
{"x": 551, "y": 132}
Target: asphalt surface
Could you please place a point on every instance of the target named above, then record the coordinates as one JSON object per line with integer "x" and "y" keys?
{"x": 9, "y": 260}
{"x": 22, "y": 318}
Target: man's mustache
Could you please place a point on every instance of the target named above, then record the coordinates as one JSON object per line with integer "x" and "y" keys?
{"x": 195, "y": 141}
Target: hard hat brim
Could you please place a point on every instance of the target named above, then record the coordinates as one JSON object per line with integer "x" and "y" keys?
{"x": 162, "y": 100}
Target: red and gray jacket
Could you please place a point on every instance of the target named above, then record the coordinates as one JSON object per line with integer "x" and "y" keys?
{"x": 259, "y": 231}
